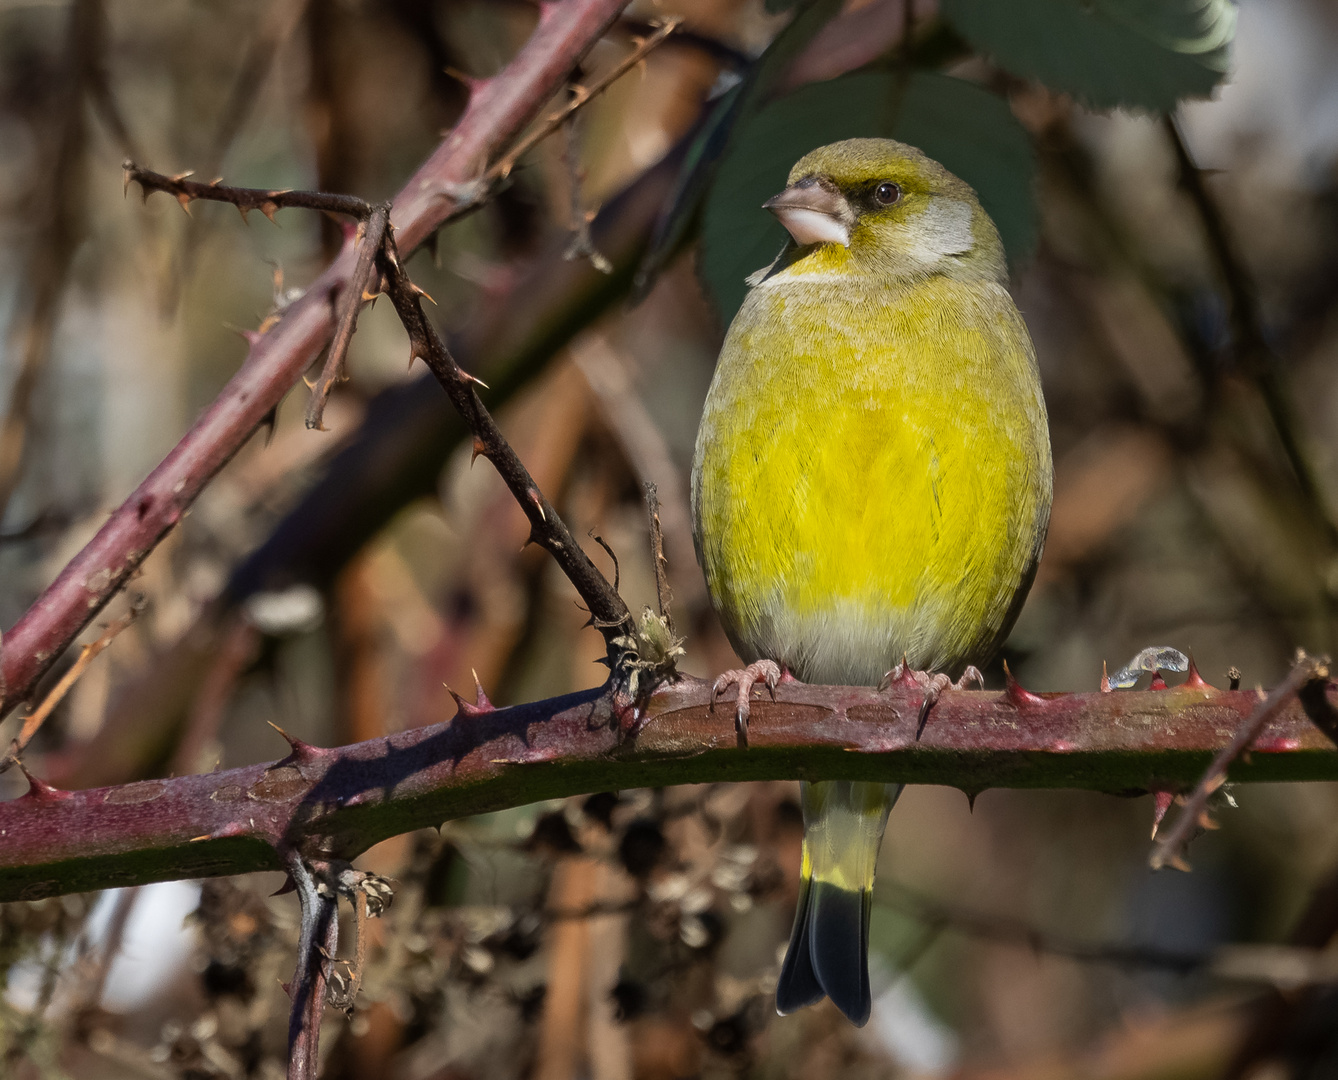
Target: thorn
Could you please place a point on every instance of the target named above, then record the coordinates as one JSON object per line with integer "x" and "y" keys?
{"x": 1161, "y": 803}
{"x": 366, "y": 296}
{"x": 481, "y": 701}
{"x": 1105, "y": 679}
{"x": 901, "y": 675}
{"x": 289, "y": 885}
{"x": 1177, "y": 862}
{"x": 1158, "y": 683}
{"x": 40, "y": 790}
{"x": 534, "y": 497}
{"x": 473, "y": 378}
{"x": 970, "y": 801}
{"x": 184, "y": 200}
{"x": 1017, "y": 695}
{"x": 244, "y": 210}
{"x": 267, "y": 208}
{"x": 477, "y": 449}
{"x": 424, "y": 293}
{"x": 471, "y": 83}
{"x": 1194, "y": 680}
{"x": 1206, "y": 821}
{"x": 469, "y": 709}
{"x": 127, "y": 174}
{"x": 183, "y": 176}
{"x": 302, "y": 751}
{"x": 235, "y": 828}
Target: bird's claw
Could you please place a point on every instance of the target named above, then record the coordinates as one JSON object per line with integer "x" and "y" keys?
{"x": 761, "y": 671}
{"x": 933, "y": 684}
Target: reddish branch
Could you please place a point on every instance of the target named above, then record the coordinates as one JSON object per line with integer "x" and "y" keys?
{"x": 1309, "y": 674}
{"x": 498, "y": 110}
{"x": 370, "y": 236}
{"x": 337, "y": 803}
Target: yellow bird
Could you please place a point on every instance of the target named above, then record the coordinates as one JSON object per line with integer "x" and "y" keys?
{"x": 872, "y": 482}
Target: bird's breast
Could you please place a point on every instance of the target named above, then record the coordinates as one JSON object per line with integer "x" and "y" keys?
{"x": 872, "y": 475}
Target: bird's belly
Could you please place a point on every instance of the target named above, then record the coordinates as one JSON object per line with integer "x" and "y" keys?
{"x": 837, "y": 542}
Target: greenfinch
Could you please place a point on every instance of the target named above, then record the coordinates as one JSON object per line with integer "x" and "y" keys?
{"x": 871, "y": 483}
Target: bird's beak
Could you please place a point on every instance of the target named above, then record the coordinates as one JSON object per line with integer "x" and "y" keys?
{"x": 813, "y": 211}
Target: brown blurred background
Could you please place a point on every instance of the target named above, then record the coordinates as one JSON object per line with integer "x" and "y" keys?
{"x": 636, "y": 935}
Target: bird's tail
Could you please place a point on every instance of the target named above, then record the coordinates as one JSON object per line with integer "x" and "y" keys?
{"x": 829, "y": 945}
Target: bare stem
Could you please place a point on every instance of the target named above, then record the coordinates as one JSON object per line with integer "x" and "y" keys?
{"x": 371, "y": 236}
{"x": 316, "y": 944}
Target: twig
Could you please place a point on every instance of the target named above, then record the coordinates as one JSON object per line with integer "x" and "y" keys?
{"x": 373, "y": 222}
{"x": 580, "y": 96}
{"x": 319, "y": 939}
{"x": 371, "y": 237}
{"x": 607, "y": 610}
{"x": 493, "y": 118}
{"x": 582, "y": 245}
{"x": 267, "y": 201}
{"x": 1170, "y": 850}
{"x": 663, "y": 594}
{"x": 39, "y": 715}
{"x": 344, "y": 800}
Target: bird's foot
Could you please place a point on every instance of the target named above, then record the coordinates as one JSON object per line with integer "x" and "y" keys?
{"x": 767, "y": 672}
{"x": 932, "y": 683}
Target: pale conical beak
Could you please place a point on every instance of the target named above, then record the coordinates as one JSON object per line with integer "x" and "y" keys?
{"x": 813, "y": 211}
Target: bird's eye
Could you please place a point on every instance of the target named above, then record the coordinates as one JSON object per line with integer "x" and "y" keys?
{"x": 887, "y": 193}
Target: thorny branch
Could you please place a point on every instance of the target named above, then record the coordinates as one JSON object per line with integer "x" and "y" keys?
{"x": 316, "y": 946}
{"x": 1170, "y": 850}
{"x": 607, "y": 610}
{"x": 498, "y": 110}
{"x": 371, "y": 236}
{"x": 267, "y": 201}
{"x": 580, "y": 96}
{"x": 336, "y": 803}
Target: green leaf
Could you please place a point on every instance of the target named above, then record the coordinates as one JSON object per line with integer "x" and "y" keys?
{"x": 1106, "y": 53}
{"x": 971, "y": 131}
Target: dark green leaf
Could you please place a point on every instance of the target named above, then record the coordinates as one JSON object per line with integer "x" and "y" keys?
{"x": 1145, "y": 53}
{"x": 968, "y": 129}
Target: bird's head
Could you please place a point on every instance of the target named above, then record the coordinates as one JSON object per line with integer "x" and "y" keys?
{"x": 875, "y": 206}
